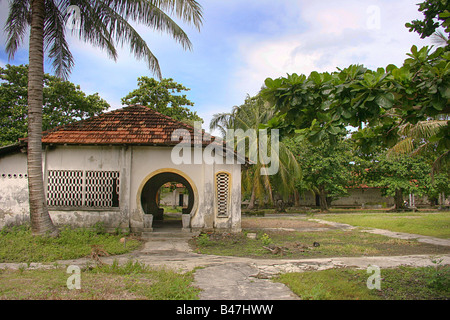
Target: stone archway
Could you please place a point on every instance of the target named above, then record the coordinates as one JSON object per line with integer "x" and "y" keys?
{"x": 148, "y": 197}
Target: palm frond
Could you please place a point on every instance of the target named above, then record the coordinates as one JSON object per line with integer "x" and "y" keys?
{"x": 416, "y": 137}
{"x": 404, "y": 146}
{"x": 92, "y": 27}
{"x": 190, "y": 11}
{"x": 55, "y": 40}
{"x": 440, "y": 161}
{"x": 422, "y": 129}
{"x": 149, "y": 14}
{"x": 16, "y": 25}
{"x": 221, "y": 121}
{"x": 439, "y": 38}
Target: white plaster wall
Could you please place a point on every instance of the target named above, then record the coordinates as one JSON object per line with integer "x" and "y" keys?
{"x": 173, "y": 198}
{"x": 145, "y": 162}
{"x": 100, "y": 158}
{"x": 135, "y": 164}
{"x": 84, "y": 158}
{"x": 233, "y": 221}
{"x": 14, "y": 209}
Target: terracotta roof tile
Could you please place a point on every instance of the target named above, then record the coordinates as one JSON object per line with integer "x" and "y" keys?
{"x": 128, "y": 125}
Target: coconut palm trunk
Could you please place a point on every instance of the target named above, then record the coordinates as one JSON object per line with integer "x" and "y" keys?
{"x": 40, "y": 219}
{"x": 101, "y": 23}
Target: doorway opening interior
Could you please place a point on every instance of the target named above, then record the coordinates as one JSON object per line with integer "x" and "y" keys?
{"x": 167, "y": 196}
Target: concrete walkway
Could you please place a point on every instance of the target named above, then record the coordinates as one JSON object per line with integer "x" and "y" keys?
{"x": 392, "y": 234}
{"x": 235, "y": 278}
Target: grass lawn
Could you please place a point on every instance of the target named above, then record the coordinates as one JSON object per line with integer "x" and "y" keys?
{"x": 423, "y": 223}
{"x": 404, "y": 283}
{"x": 333, "y": 243}
{"x": 110, "y": 282}
{"x": 17, "y": 244}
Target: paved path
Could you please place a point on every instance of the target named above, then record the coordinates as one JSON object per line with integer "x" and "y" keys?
{"x": 392, "y": 234}
{"x": 235, "y": 278}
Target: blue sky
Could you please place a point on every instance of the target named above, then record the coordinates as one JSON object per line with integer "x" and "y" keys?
{"x": 242, "y": 42}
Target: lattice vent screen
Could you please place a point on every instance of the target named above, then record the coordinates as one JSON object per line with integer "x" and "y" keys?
{"x": 223, "y": 181}
{"x": 102, "y": 188}
{"x": 77, "y": 188}
{"x": 65, "y": 188}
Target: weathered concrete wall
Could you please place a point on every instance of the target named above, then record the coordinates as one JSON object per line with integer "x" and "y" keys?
{"x": 97, "y": 158}
{"x": 173, "y": 198}
{"x": 145, "y": 164}
{"x": 135, "y": 165}
{"x": 233, "y": 221}
{"x": 14, "y": 208}
{"x": 356, "y": 198}
{"x": 307, "y": 199}
{"x": 364, "y": 197}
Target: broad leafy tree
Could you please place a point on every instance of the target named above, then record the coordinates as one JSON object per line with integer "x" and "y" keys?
{"x": 399, "y": 176}
{"x": 102, "y": 23}
{"x": 165, "y": 97}
{"x": 63, "y": 103}
{"x": 328, "y": 167}
{"x": 385, "y": 100}
{"x": 378, "y": 102}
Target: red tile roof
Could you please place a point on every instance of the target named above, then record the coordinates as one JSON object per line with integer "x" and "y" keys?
{"x": 136, "y": 125}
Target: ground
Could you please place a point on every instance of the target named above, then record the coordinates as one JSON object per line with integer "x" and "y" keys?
{"x": 285, "y": 222}
{"x": 252, "y": 275}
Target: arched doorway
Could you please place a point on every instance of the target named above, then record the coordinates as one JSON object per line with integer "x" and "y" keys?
{"x": 150, "y": 197}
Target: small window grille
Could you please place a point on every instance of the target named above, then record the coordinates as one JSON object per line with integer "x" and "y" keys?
{"x": 222, "y": 180}
{"x": 78, "y": 188}
{"x": 65, "y": 188}
{"x": 102, "y": 188}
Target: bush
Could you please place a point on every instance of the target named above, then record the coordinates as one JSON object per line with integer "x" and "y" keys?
{"x": 203, "y": 240}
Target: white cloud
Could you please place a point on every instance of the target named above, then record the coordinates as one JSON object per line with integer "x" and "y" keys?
{"x": 337, "y": 34}
{"x": 244, "y": 42}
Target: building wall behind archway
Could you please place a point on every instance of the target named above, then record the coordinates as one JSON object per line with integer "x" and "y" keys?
{"x": 149, "y": 161}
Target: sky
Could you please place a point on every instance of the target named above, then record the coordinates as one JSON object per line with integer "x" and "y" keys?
{"x": 243, "y": 42}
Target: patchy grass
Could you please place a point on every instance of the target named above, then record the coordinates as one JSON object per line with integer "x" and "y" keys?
{"x": 403, "y": 283}
{"x": 109, "y": 282}
{"x": 333, "y": 243}
{"x": 428, "y": 224}
{"x": 17, "y": 244}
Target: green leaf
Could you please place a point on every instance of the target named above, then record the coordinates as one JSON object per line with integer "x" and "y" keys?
{"x": 438, "y": 104}
{"x": 386, "y": 101}
{"x": 445, "y": 91}
{"x": 269, "y": 83}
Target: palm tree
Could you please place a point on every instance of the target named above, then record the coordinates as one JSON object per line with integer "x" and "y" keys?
{"x": 440, "y": 39}
{"x": 102, "y": 23}
{"x": 250, "y": 116}
{"x": 420, "y": 138}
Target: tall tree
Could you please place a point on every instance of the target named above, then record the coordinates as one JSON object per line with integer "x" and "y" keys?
{"x": 249, "y": 118}
{"x": 165, "y": 97}
{"x": 101, "y": 23}
{"x": 327, "y": 167}
{"x": 399, "y": 176}
{"x": 63, "y": 103}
